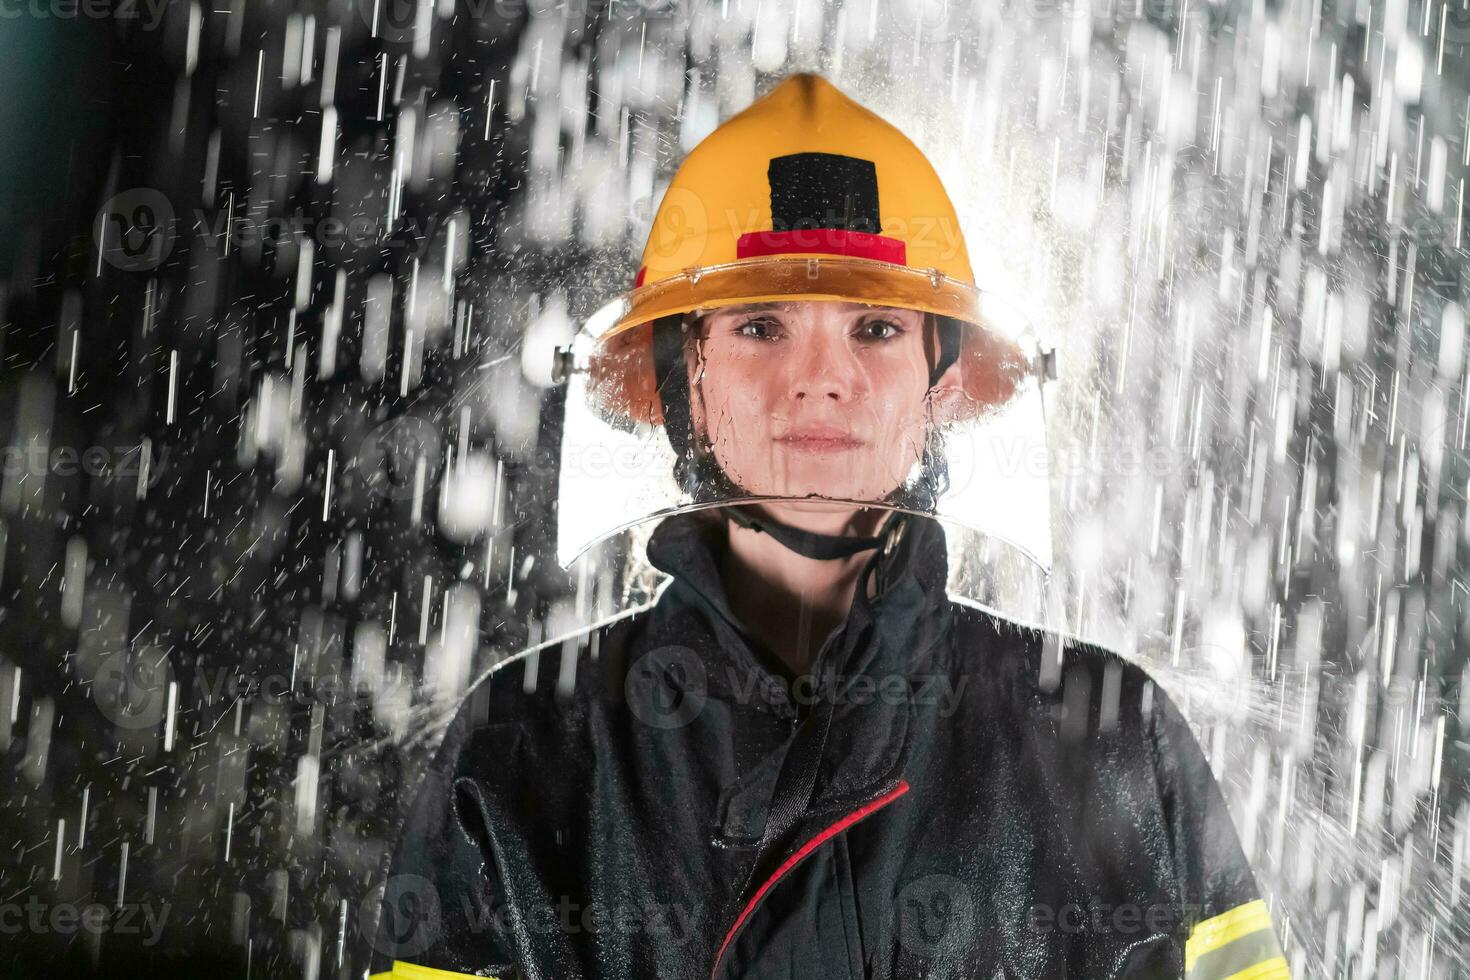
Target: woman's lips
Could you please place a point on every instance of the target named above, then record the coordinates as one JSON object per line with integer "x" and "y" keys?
{"x": 819, "y": 439}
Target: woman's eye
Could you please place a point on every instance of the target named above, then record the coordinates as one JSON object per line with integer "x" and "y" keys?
{"x": 760, "y": 329}
{"x": 879, "y": 330}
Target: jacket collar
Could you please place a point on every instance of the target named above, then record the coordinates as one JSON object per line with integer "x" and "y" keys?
{"x": 886, "y": 638}
{"x": 911, "y": 571}
{"x": 689, "y": 549}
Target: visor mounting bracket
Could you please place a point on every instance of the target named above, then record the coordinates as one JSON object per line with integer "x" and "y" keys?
{"x": 563, "y": 364}
{"x": 1046, "y": 364}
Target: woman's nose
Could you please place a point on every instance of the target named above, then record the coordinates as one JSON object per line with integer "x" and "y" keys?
{"x": 822, "y": 368}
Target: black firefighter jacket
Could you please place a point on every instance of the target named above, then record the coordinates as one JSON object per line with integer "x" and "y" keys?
{"x": 658, "y": 800}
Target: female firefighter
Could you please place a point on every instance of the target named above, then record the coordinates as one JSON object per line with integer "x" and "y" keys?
{"x": 805, "y": 759}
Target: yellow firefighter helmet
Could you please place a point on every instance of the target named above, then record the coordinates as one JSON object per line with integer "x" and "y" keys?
{"x": 805, "y": 195}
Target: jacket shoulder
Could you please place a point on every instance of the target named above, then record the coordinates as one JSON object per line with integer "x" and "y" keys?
{"x": 552, "y": 681}
{"x": 1046, "y": 660}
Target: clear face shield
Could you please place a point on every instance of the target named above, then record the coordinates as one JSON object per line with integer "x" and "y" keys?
{"x": 797, "y": 400}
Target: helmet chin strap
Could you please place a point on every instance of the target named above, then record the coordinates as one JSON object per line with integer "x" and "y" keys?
{"x": 947, "y": 343}
{"x": 811, "y": 544}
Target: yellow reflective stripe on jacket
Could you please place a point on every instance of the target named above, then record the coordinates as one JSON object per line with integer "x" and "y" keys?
{"x": 411, "y": 971}
{"x": 1235, "y": 945}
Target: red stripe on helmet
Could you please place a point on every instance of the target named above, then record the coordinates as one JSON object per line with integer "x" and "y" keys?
{"x": 828, "y": 241}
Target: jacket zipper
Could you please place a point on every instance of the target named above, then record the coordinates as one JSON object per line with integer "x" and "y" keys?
{"x": 872, "y": 806}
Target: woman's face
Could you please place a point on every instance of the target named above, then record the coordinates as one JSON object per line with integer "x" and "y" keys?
{"x": 812, "y": 398}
